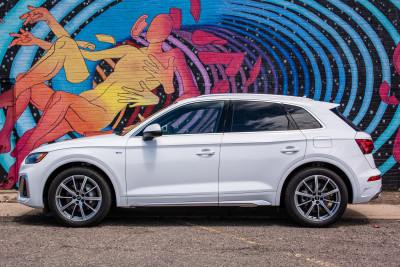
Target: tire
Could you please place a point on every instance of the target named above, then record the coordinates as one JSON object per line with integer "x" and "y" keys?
{"x": 79, "y": 197}
{"x": 312, "y": 208}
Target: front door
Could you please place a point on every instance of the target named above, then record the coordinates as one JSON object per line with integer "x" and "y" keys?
{"x": 181, "y": 166}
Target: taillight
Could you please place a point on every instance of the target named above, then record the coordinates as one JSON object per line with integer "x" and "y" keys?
{"x": 366, "y": 145}
{"x": 374, "y": 178}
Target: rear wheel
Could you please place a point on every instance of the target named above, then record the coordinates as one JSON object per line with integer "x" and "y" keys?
{"x": 316, "y": 197}
{"x": 79, "y": 196}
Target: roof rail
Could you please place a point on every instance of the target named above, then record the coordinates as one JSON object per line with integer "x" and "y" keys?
{"x": 214, "y": 95}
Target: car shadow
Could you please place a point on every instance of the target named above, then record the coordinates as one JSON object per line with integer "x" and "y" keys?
{"x": 178, "y": 216}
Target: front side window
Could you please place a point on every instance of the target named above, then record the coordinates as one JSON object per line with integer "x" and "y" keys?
{"x": 303, "y": 119}
{"x": 252, "y": 116}
{"x": 200, "y": 117}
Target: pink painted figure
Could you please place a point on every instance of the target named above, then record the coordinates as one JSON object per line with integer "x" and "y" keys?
{"x": 63, "y": 112}
{"x": 233, "y": 60}
{"x": 176, "y": 15}
{"x": 254, "y": 72}
{"x": 384, "y": 92}
{"x": 204, "y": 38}
{"x": 221, "y": 87}
{"x": 139, "y": 26}
{"x": 195, "y": 9}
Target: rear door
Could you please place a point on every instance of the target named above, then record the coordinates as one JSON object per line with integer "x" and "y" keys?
{"x": 260, "y": 143}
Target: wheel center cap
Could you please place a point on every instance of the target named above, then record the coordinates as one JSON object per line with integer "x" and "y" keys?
{"x": 78, "y": 197}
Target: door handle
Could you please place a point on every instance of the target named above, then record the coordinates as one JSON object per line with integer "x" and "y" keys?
{"x": 290, "y": 150}
{"x": 205, "y": 152}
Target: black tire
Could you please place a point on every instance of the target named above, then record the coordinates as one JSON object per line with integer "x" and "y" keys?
{"x": 79, "y": 206}
{"x": 316, "y": 209}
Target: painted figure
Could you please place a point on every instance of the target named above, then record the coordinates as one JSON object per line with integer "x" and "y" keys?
{"x": 384, "y": 92}
{"x": 137, "y": 72}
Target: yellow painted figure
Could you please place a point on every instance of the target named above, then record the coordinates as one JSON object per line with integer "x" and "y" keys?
{"x": 137, "y": 72}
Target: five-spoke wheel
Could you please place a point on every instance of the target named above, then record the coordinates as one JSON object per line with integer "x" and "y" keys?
{"x": 316, "y": 197}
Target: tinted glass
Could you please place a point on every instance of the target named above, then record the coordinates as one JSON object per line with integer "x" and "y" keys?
{"x": 303, "y": 119}
{"x": 193, "y": 118}
{"x": 251, "y": 116}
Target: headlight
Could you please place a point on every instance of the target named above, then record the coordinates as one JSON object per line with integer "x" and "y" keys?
{"x": 35, "y": 157}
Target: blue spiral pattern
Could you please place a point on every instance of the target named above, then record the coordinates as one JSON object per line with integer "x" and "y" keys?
{"x": 326, "y": 50}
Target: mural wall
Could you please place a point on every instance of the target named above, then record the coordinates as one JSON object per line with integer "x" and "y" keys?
{"x": 73, "y": 68}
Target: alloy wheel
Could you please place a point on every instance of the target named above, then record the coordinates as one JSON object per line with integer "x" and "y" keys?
{"x": 78, "y": 198}
{"x": 317, "y": 198}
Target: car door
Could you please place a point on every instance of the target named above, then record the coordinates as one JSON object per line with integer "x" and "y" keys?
{"x": 181, "y": 166}
{"x": 260, "y": 143}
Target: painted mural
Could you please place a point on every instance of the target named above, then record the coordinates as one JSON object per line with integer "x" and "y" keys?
{"x": 82, "y": 67}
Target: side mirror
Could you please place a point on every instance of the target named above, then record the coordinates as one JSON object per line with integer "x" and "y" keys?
{"x": 151, "y": 131}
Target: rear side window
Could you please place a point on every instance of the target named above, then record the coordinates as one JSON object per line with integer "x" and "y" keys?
{"x": 346, "y": 120}
{"x": 253, "y": 116}
{"x": 303, "y": 119}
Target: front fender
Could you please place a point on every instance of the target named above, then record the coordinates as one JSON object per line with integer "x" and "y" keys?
{"x": 114, "y": 168}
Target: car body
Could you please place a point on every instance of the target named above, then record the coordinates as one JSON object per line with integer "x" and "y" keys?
{"x": 215, "y": 150}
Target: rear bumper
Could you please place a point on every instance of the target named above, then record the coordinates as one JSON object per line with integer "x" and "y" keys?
{"x": 377, "y": 194}
{"x": 369, "y": 191}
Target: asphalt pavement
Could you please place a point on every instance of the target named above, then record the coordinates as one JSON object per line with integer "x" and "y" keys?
{"x": 367, "y": 235}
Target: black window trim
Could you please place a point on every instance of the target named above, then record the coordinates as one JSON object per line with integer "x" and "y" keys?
{"x": 229, "y": 120}
{"x": 345, "y": 119}
{"x": 306, "y": 109}
{"x": 220, "y": 127}
{"x": 229, "y": 117}
{"x": 289, "y": 117}
{"x": 223, "y": 119}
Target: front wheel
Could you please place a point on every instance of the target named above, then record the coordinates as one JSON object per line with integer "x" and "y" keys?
{"x": 316, "y": 197}
{"x": 79, "y": 196}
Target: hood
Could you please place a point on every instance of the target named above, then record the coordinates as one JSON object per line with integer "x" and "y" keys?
{"x": 107, "y": 140}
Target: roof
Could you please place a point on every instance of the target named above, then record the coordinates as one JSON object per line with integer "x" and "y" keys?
{"x": 304, "y": 101}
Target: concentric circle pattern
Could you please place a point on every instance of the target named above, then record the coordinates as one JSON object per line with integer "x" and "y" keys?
{"x": 334, "y": 51}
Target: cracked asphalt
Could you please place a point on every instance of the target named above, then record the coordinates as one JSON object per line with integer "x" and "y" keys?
{"x": 197, "y": 237}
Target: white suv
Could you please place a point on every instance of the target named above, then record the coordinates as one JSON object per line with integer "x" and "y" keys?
{"x": 216, "y": 150}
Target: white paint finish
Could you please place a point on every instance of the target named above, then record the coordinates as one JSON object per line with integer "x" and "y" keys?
{"x": 182, "y": 167}
{"x": 371, "y": 161}
{"x": 244, "y": 197}
{"x": 322, "y": 142}
{"x": 248, "y": 168}
{"x": 255, "y": 161}
{"x": 369, "y": 157}
{"x": 100, "y": 151}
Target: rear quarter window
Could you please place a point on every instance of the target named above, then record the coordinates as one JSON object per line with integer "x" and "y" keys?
{"x": 302, "y": 117}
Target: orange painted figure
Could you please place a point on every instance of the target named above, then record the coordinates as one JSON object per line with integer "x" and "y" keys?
{"x": 137, "y": 72}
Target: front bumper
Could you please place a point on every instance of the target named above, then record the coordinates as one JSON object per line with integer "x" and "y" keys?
{"x": 30, "y": 190}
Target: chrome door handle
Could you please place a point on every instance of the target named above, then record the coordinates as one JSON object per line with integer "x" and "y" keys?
{"x": 290, "y": 150}
{"x": 205, "y": 152}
